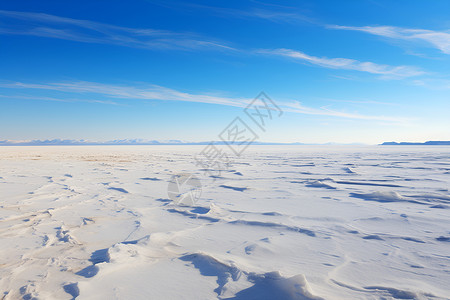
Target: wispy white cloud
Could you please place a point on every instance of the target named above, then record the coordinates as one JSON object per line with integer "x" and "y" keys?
{"x": 154, "y": 92}
{"x": 436, "y": 39}
{"x": 53, "y": 99}
{"x": 271, "y": 15}
{"x": 364, "y": 102}
{"x": 146, "y": 92}
{"x": 297, "y": 107}
{"x": 51, "y": 26}
{"x": 433, "y": 83}
{"x": 255, "y": 10}
{"x": 386, "y": 71}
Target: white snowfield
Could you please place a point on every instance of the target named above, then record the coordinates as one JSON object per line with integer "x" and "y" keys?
{"x": 303, "y": 222}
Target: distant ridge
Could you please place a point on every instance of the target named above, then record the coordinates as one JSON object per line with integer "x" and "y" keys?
{"x": 143, "y": 142}
{"x": 429, "y": 143}
{"x": 60, "y": 142}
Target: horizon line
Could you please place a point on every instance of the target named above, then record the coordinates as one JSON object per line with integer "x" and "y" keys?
{"x": 144, "y": 142}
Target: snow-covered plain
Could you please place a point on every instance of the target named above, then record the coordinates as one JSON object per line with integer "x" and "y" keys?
{"x": 303, "y": 222}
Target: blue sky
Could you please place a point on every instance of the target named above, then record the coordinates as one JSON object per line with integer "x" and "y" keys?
{"x": 342, "y": 71}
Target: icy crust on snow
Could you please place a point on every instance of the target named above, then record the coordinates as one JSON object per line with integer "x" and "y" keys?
{"x": 95, "y": 222}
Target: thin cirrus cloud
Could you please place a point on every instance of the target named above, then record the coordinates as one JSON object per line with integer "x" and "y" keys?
{"x": 147, "y": 92}
{"x": 155, "y": 92}
{"x": 436, "y": 39}
{"x": 257, "y": 10}
{"x": 297, "y": 107}
{"x": 51, "y": 26}
{"x": 386, "y": 71}
{"x": 53, "y": 99}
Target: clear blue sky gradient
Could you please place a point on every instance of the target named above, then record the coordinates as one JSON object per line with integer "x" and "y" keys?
{"x": 342, "y": 71}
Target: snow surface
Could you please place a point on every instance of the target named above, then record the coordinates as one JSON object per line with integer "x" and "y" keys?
{"x": 298, "y": 222}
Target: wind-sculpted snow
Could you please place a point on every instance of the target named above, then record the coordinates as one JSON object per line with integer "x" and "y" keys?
{"x": 303, "y": 222}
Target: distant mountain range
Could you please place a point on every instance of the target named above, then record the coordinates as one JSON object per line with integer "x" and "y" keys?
{"x": 60, "y": 142}
{"x": 429, "y": 143}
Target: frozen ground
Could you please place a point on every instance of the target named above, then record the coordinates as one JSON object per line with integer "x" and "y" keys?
{"x": 293, "y": 223}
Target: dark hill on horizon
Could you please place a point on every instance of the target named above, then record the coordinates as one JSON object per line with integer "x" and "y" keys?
{"x": 428, "y": 143}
